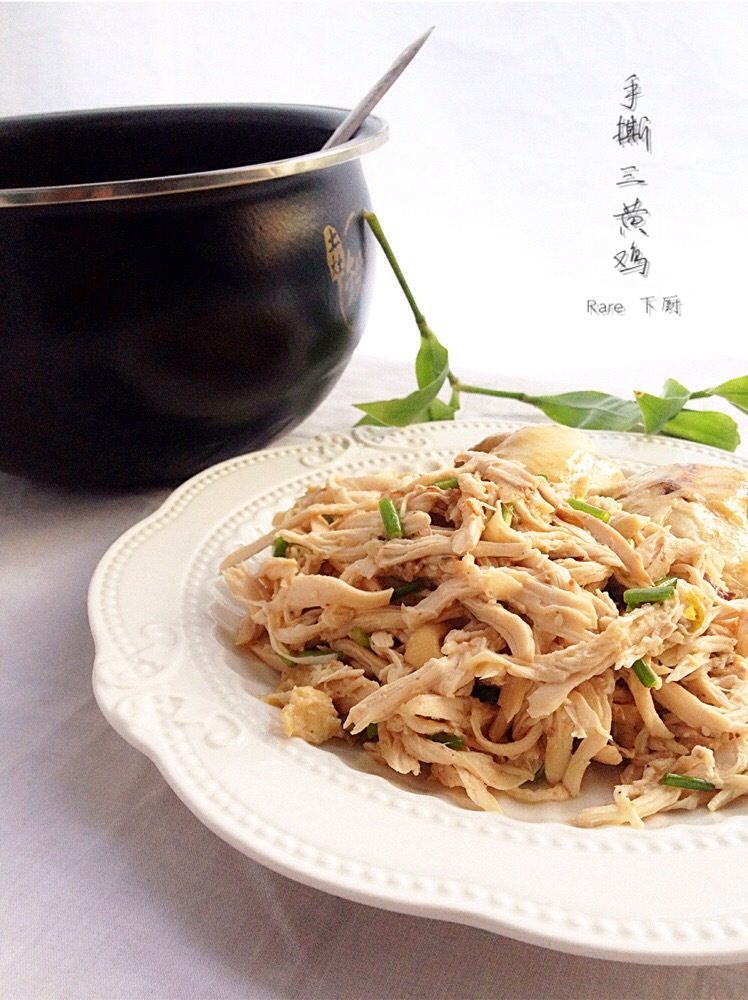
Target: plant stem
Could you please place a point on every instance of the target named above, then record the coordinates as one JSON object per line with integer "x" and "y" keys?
{"x": 378, "y": 232}
{"x": 456, "y": 385}
{"x": 501, "y": 393}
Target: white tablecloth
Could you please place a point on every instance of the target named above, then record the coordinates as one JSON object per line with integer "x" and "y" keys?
{"x": 110, "y": 887}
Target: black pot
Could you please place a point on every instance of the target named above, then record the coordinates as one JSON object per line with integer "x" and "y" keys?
{"x": 176, "y": 284}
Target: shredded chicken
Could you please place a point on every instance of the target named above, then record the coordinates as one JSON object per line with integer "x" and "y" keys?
{"x": 509, "y": 638}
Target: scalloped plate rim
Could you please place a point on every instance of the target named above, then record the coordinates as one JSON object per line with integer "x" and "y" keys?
{"x": 396, "y": 901}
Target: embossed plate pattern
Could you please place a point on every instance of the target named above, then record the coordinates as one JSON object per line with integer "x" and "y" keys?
{"x": 167, "y": 680}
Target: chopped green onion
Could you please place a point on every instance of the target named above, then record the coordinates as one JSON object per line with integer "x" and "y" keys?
{"x": 279, "y": 547}
{"x": 487, "y": 693}
{"x": 407, "y": 588}
{"x": 646, "y": 675}
{"x": 446, "y": 484}
{"x": 507, "y": 512}
{"x": 371, "y": 732}
{"x": 390, "y": 519}
{"x": 306, "y": 653}
{"x": 661, "y": 591}
{"x": 588, "y": 508}
{"x": 450, "y": 740}
{"x": 683, "y": 781}
{"x": 360, "y": 637}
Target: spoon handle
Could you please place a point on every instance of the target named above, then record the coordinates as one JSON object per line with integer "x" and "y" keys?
{"x": 355, "y": 118}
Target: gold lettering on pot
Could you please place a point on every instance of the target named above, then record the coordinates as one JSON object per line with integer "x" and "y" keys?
{"x": 345, "y": 265}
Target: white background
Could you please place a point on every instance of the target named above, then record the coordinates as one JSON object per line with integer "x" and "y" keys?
{"x": 498, "y": 187}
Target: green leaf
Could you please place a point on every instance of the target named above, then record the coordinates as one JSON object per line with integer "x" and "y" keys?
{"x": 414, "y": 407}
{"x": 408, "y": 410}
{"x": 442, "y": 411}
{"x": 432, "y": 363}
{"x": 367, "y": 420}
{"x": 735, "y": 391}
{"x": 586, "y": 409}
{"x": 432, "y": 358}
{"x": 706, "y": 427}
{"x": 657, "y": 410}
{"x": 590, "y": 409}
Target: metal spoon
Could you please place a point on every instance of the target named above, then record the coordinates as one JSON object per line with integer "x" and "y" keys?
{"x": 355, "y": 118}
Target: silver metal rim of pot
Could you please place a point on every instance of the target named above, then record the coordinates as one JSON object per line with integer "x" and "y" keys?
{"x": 374, "y": 133}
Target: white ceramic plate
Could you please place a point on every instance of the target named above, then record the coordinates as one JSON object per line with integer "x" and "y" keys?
{"x": 169, "y": 682}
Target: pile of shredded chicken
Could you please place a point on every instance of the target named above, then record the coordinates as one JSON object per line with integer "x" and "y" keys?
{"x": 508, "y": 666}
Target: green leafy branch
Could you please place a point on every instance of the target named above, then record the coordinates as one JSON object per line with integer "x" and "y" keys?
{"x": 645, "y": 413}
